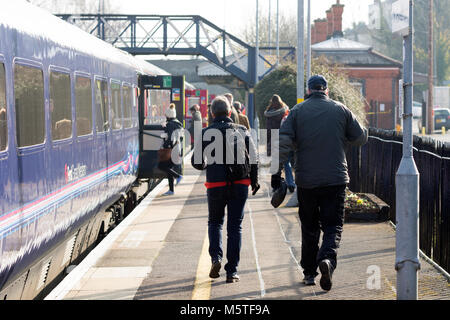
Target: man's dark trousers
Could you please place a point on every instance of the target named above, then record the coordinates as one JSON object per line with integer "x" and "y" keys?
{"x": 234, "y": 198}
{"x": 320, "y": 208}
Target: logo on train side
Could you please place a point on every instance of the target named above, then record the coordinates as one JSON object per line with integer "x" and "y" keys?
{"x": 73, "y": 173}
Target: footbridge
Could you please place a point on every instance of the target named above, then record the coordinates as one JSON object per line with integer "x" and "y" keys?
{"x": 184, "y": 35}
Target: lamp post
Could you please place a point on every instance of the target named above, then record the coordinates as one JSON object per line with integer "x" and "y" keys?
{"x": 300, "y": 53}
{"x": 407, "y": 185}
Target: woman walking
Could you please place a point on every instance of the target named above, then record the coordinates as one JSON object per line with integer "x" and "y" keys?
{"x": 172, "y": 141}
{"x": 274, "y": 113}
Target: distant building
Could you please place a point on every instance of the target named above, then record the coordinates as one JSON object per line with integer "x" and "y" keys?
{"x": 375, "y": 75}
{"x": 378, "y": 11}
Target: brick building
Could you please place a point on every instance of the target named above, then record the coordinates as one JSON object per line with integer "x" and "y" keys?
{"x": 375, "y": 75}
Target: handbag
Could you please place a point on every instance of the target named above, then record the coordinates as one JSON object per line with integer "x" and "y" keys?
{"x": 164, "y": 154}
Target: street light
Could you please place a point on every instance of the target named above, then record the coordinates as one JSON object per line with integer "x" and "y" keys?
{"x": 300, "y": 54}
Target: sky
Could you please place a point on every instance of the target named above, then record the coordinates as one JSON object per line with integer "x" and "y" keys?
{"x": 234, "y": 15}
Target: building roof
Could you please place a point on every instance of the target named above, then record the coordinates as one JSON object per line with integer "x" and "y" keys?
{"x": 338, "y": 44}
{"x": 351, "y": 53}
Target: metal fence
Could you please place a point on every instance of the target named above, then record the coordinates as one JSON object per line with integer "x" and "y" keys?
{"x": 373, "y": 167}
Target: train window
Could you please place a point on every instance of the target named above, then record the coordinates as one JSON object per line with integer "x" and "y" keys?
{"x": 101, "y": 105}
{"x": 83, "y": 105}
{"x": 127, "y": 105}
{"x": 3, "y": 118}
{"x": 29, "y": 104}
{"x": 60, "y": 105}
{"x": 116, "y": 110}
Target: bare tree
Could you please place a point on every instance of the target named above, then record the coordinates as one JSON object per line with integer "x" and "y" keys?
{"x": 287, "y": 31}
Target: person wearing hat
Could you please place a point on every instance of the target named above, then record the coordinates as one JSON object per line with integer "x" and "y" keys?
{"x": 318, "y": 130}
{"x": 172, "y": 141}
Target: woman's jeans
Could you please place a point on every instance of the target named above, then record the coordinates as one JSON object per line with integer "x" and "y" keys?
{"x": 233, "y": 197}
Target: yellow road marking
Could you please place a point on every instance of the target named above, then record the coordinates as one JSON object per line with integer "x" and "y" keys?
{"x": 202, "y": 285}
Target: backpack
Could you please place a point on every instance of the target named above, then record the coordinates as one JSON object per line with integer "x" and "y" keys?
{"x": 236, "y": 157}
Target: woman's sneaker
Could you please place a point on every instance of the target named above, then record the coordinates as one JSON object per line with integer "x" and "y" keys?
{"x": 168, "y": 193}
{"x": 178, "y": 180}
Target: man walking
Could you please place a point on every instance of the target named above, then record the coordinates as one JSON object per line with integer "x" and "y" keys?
{"x": 319, "y": 129}
{"x": 225, "y": 187}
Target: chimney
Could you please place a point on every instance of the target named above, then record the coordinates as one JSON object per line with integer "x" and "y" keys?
{"x": 329, "y": 23}
{"x": 320, "y": 30}
{"x": 337, "y": 11}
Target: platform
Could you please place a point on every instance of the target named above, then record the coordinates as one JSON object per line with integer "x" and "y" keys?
{"x": 159, "y": 252}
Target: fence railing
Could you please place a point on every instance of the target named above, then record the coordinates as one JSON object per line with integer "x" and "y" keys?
{"x": 372, "y": 169}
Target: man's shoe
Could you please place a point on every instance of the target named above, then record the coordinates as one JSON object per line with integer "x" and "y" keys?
{"x": 326, "y": 270}
{"x": 215, "y": 268}
{"x": 291, "y": 189}
{"x": 232, "y": 278}
{"x": 309, "y": 280}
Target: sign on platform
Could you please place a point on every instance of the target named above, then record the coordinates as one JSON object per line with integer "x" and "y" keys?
{"x": 167, "y": 81}
{"x": 400, "y": 17}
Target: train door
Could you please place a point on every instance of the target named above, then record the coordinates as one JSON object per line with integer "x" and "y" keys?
{"x": 61, "y": 163}
{"x": 156, "y": 93}
{"x": 5, "y": 155}
{"x": 31, "y": 139}
{"x": 115, "y": 136}
{"x": 102, "y": 127}
{"x": 199, "y": 97}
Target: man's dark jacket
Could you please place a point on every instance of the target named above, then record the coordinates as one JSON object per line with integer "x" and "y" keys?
{"x": 216, "y": 172}
{"x": 319, "y": 130}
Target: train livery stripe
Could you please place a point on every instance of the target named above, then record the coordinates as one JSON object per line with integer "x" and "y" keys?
{"x": 20, "y": 217}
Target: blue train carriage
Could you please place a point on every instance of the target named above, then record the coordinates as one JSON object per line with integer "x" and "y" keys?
{"x": 69, "y": 145}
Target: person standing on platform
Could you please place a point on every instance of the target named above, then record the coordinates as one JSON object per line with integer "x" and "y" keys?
{"x": 172, "y": 141}
{"x": 196, "y": 118}
{"x": 225, "y": 187}
{"x": 275, "y": 111}
{"x": 243, "y": 120}
{"x": 234, "y": 115}
{"x": 319, "y": 130}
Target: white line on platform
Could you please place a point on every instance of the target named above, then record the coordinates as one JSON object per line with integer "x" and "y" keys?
{"x": 255, "y": 251}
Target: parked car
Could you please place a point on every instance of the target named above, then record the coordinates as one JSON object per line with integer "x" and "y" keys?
{"x": 441, "y": 118}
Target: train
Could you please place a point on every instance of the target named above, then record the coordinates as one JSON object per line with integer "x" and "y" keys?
{"x": 69, "y": 145}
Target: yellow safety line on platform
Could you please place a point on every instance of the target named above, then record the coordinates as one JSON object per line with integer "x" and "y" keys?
{"x": 202, "y": 285}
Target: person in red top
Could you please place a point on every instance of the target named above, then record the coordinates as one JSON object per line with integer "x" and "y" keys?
{"x": 222, "y": 191}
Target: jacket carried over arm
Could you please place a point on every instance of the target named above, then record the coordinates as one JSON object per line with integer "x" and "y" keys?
{"x": 319, "y": 130}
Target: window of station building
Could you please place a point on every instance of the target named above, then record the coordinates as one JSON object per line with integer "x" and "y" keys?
{"x": 101, "y": 105}
{"x": 83, "y": 105}
{"x": 29, "y": 105}
{"x": 3, "y": 118}
{"x": 60, "y": 105}
{"x": 127, "y": 106}
{"x": 116, "y": 110}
